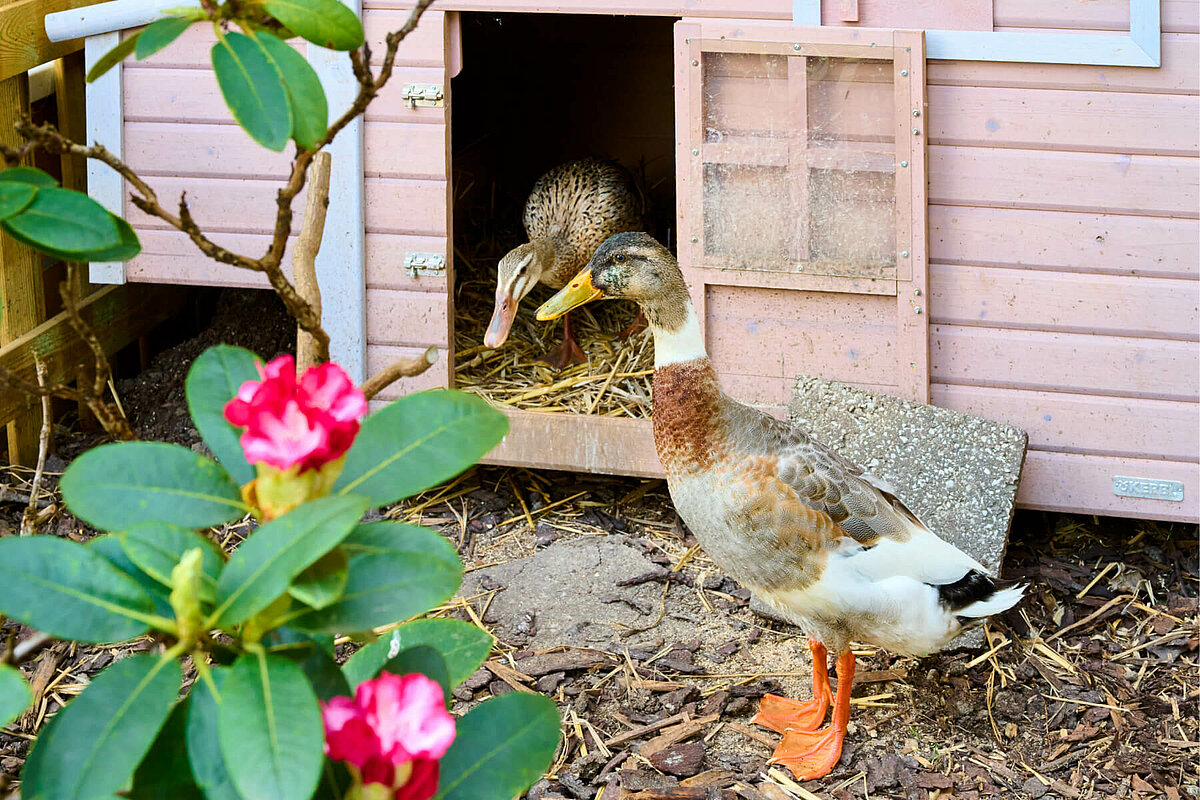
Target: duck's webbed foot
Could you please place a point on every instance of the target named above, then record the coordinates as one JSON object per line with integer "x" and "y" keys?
{"x": 812, "y": 754}
{"x": 566, "y": 354}
{"x": 781, "y": 714}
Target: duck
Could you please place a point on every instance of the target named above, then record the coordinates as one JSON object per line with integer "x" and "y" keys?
{"x": 829, "y": 546}
{"x": 570, "y": 210}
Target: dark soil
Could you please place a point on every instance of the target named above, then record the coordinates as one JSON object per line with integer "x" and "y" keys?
{"x": 1087, "y": 690}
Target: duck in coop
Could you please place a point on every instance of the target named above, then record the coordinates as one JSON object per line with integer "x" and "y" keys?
{"x": 571, "y": 210}
{"x": 831, "y": 547}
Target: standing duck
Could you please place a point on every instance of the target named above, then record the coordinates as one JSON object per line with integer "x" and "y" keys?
{"x": 827, "y": 544}
{"x": 571, "y": 210}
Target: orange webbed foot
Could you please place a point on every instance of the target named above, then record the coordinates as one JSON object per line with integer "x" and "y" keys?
{"x": 781, "y": 714}
{"x": 810, "y": 754}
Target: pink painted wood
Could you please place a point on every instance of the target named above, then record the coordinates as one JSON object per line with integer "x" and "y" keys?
{"x": 1178, "y": 16}
{"x": 1070, "y": 482}
{"x": 960, "y": 15}
{"x": 745, "y": 9}
{"x": 380, "y": 356}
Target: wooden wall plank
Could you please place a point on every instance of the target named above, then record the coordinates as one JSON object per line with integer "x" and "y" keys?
{"x": 746, "y": 9}
{"x": 436, "y": 377}
{"x": 1077, "y": 483}
{"x": 1093, "y": 182}
{"x": 1068, "y": 362}
{"x": 1179, "y": 73}
{"x": 1064, "y": 301}
{"x": 1067, "y": 241}
{"x": 168, "y": 256}
{"x": 403, "y": 206}
{"x": 606, "y": 445}
{"x": 1077, "y": 423}
{"x": 1045, "y": 119}
{"x": 773, "y": 393}
{"x": 407, "y": 318}
{"x": 424, "y": 47}
{"x": 963, "y": 15}
{"x": 1178, "y": 16}
{"x": 386, "y": 253}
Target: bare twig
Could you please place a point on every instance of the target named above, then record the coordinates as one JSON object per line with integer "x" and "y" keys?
{"x": 23, "y": 651}
{"x": 403, "y": 368}
{"x": 31, "y": 515}
{"x": 304, "y": 257}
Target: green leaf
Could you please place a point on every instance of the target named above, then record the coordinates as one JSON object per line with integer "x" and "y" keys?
{"x": 66, "y": 590}
{"x": 253, "y": 89}
{"x": 213, "y": 381}
{"x": 306, "y": 96}
{"x": 396, "y": 571}
{"x": 31, "y": 175}
{"x": 156, "y": 547}
{"x": 127, "y": 248}
{"x": 323, "y": 582}
{"x": 109, "y": 546}
{"x": 270, "y": 729}
{"x": 463, "y": 646}
{"x": 117, "y": 486}
{"x": 15, "y": 197}
{"x": 15, "y": 696}
{"x": 159, "y": 34}
{"x": 313, "y": 657}
{"x": 417, "y": 442}
{"x": 503, "y": 745}
{"x": 425, "y": 660}
{"x": 326, "y": 23}
{"x": 261, "y": 569}
{"x": 203, "y": 745}
{"x": 91, "y": 747}
{"x": 164, "y": 773}
{"x": 65, "y": 223}
{"x": 113, "y": 57}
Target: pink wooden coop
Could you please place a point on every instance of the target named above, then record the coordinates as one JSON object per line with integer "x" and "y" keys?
{"x": 990, "y": 205}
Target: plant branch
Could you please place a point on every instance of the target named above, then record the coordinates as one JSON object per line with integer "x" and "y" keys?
{"x": 402, "y": 368}
{"x": 304, "y": 256}
{"x": 33, "y": 516}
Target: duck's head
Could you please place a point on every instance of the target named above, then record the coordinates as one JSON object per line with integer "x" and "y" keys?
{"x": 518, "y": 272}
{"x": 627, "y": 266}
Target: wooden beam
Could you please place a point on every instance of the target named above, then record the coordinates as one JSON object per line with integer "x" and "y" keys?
{"x": 118, "y": 315}
{"x": 22, "y": 301}
{"x": 23, "y": 42}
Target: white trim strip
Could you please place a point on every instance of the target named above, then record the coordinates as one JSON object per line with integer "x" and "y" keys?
{"x": 116, "y": 15}
{"x": 105, "y": 113}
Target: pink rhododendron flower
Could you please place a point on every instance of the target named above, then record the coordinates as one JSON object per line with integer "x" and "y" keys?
{"x": 393, "y": 732}
{"x": 304, "y": 424}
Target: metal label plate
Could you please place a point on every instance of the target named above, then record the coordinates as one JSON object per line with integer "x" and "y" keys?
{"x": 1147, "y": 488}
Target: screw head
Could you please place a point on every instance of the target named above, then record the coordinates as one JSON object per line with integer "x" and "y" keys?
{"x": 917, "y": 292}
{"x": 916, "y": 112}
{"x": 695, "y": 63}
{"x": 917, "y": 309}
{"x": 904, "y": 163}
{"x": 916, "y": 131}
{"x": 796, "y": 47}
{"x": 695, "y": 151}
{"x": 903, "y": 73}
{"x": 904, "y": 254}
{"x": 695, "y": 239}
{"x": 799, "y": 268}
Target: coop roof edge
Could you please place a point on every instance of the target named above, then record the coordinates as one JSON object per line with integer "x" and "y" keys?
{"x": 115, "y": 15}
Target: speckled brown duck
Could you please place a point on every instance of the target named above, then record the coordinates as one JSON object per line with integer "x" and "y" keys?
{"x": 570, "y": 211}
{"x": 828, "y": 545}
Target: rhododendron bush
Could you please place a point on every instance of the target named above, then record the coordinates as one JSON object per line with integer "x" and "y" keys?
{"x": 266, "y": 711}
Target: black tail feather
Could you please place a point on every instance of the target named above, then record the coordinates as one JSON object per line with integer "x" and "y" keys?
{"x": 970, "y": 588}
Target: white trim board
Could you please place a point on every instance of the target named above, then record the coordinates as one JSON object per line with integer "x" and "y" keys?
{"x": 1140, "y": 48}
{"x": 105, "y": 121}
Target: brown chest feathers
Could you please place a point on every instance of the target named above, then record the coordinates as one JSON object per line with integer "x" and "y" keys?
{"x": 687, "y": 416}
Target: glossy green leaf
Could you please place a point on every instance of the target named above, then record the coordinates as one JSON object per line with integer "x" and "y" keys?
{"x": 65, "y": 222}
{"x": 261, "y": 569}
{"x": 270, "y": 729}
{"x": 15, "y": 696}
{"x": 311, "y": 654}
{"x": 417, "y": 442}
{"x": 396, "y": 571}
{"x": 159, "y": 34}
{"x": 91, "y": 747}
{"x": 203, "y": 743}
{"x": 212, "y": 381}
{"x": 164, "y": 773}
{"x": 126, "y": 247}
{"x": 66, "y": 590}
{"x": 253, "y": 89}
{"x": 323, "y": 582}
{"x": 156, "y": 547}
{"x": 306, "y": 96}
{"x": 327, "y": 23}
{"x": 15, "y": 197}
{"x": 463, "y": 647}
{"x": 31, "y": 175}
{"x": 113, "y": 57}
{"x": 109, "y": 546}
{"x": 117, "y": 486}
{"x": 503, "y": 745}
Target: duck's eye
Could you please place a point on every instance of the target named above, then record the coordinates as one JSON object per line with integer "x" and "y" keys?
{"x": 619, "y": 258}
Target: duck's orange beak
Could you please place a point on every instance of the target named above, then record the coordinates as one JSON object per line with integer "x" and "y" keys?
{"x": 573, "y": 295}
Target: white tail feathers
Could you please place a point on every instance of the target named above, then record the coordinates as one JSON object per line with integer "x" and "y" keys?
{"x": 994, "y": 604}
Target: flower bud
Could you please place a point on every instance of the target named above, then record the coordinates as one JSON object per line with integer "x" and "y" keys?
{"x": 185, "y": 594}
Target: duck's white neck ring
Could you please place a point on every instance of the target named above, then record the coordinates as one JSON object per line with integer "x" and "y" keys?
{"x": 685, "y": 343}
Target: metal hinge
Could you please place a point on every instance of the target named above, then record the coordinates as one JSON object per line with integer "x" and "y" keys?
{"x": 425, "y": 264}
{"x": 423, "y": 94}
